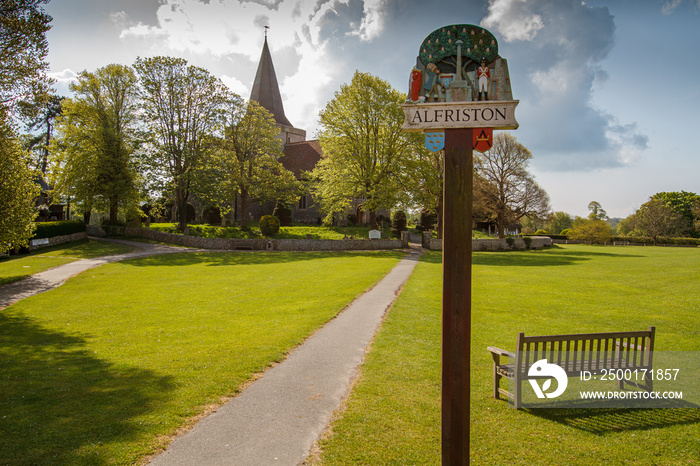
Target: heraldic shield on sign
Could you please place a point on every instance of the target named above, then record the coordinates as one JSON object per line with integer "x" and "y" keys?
{"x": 434, "y": 140}
{"x": 483, "y": 139}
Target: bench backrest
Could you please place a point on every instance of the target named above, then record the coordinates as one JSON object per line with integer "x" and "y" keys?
{"x": 588, "y": 351}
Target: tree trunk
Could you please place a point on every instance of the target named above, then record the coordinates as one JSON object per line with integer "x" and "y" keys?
{"x": 181, "y": 200}
{"x": 244, "y": 208}
{"x": 113, "y": 211}
{"x": 373, "y": 219}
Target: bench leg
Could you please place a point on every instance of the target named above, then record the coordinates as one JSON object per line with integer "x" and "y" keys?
{"x": 496, "y": 382}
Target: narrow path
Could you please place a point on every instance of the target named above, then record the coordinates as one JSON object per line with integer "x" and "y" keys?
{"x": 54, "y": 277}
{"x": 277, "y": 419}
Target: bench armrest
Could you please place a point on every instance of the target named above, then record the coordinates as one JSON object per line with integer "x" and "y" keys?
{"x": 500, "y": 352}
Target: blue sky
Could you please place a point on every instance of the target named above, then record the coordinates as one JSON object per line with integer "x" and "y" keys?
{"x": 609, "y": 90}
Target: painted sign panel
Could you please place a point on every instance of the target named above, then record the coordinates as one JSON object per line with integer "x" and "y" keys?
{"x": 445, "y": 115}
{"x": 483, "y": 139}
{"x": 434, "y": 140}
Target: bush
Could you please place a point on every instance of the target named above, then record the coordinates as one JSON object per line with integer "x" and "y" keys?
{"x": 283, "y": 213}
{"x": 398, "y": 224}
{"x": 528, "y": 241}
{"x": 427, "y": 221}
{"x": 59, "y": 228}
{"x": 269, "y": 225}
{"x": 541, "y": 232}
{"x": 566, "y": 232}
{"x": 511, "y": 241}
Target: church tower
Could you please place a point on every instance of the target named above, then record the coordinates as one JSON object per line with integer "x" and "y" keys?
{"x": 267, "y": 93}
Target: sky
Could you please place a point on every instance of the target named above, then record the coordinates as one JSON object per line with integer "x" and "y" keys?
{"x": 609, "y": 90}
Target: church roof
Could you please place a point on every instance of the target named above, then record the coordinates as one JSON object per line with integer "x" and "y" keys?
{"x": 266, "y": 91}
{"x": 300, "y": 157}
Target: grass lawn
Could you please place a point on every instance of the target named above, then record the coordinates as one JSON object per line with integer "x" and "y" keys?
{"x": 393, "y": 414}
{"x": 19, "y": 267}
{"x": 104, "y": 369}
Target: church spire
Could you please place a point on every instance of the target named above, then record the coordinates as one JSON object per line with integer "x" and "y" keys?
{"x": 265, "y": 88}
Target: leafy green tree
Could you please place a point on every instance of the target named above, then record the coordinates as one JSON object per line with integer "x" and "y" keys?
{"x": 363, "y": 146}
{"x": 183, "y": 108}
{"x": 98, "y": 141}
{"x": 656, "y": 218}
{"x": 558, "y": 222}
{"x": 514, "y": 193}
{"x": 23, "y": 50}
{"x": 591, "y": 230}
{"x": 597, "y": 211}
{"x": 17, "y": 190}
{"x": 47, "y": 112}
{"x": 682, "y": 203}
{"x": 245, "y": 163}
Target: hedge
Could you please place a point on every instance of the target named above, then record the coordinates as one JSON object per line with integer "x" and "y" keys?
{"x": 58, "y": 228}
{"x": 648, "y": 240}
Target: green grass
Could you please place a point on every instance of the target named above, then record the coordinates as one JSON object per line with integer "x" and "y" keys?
{"x": 290, "y": 232}
{"x": 19, "y": 267}
{"x": 105, "y": 368}
{"x": 393, "y": 414}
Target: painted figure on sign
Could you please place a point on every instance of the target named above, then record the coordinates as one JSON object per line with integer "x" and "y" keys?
{"x": 414, "y": 84}
{"x": 483, "y": 74}
{"x": 433, "y": 84}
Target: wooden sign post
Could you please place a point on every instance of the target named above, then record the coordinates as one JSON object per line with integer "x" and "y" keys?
{"x": 442, "y": 98}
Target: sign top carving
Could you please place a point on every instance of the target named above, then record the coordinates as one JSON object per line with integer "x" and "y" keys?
{"x": 459, "y": 81}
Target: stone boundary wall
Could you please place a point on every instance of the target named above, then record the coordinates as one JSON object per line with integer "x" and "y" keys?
{"x": 56, "y": 240}
{"x": 261, "y": 244}
{"x": 492, "y": 244}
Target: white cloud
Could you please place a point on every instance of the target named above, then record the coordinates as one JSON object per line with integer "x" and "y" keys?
{"x": 512, "y": 20}
{"x": 670, "y": 6}
{"x": 372, "y": 24}
{"x": 66, "y": 76}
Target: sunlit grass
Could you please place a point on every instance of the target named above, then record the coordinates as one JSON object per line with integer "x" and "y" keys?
{"x": 393, "y": 415}
{"x": 105, "y": 368}
{"x": 22, "y": 266}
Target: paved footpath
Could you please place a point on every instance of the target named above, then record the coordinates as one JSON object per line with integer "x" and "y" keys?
{"x": 277, "y": 419}
{"x": 52, "y": 278}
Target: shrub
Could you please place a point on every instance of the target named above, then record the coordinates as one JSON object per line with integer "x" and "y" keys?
{"x": 511, "y": 241}
{"x": 528, "y": 241}
{"x": 283, "y": 213}
{"x": 398, "y": 224}
{"x": 427, "y": 221}
{"x": 541, "y": 232}
{"x": 566, "y": 232}
{"x": 59, "y": 228}
{"x": 269, "y": 225}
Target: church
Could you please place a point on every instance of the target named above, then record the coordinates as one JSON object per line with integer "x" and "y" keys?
{"x": 300, "y": 155}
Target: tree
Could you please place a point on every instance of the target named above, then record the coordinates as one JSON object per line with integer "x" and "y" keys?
{"x": 95, "y": 154}
{"x": 515, "y": 194}
{"x": 23, "y": 50}
{"x": 597, "y": 211}
{"x": 47, "y": 112}
{"x": 422, "y": 179}
{"x": 682, "y": 203}
{"x": 17, "y": 190}
{"x": 558, "y": 222}
{"x": 655, "y": 218}
{"x": 245, "y": 162}
{"x": 183, "y": 107}
{"x": 591, "y": 230}
{"x": 363, "y": 147}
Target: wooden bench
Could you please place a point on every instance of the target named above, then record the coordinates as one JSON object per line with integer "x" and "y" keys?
{"x": 575, "y": 353}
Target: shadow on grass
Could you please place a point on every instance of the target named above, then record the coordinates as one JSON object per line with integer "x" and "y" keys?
{"x": 606, "y": 421}
{"x": 554, "y": 256}
{"x": 252, "y": 257}
{"x": 59, "y": 402}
